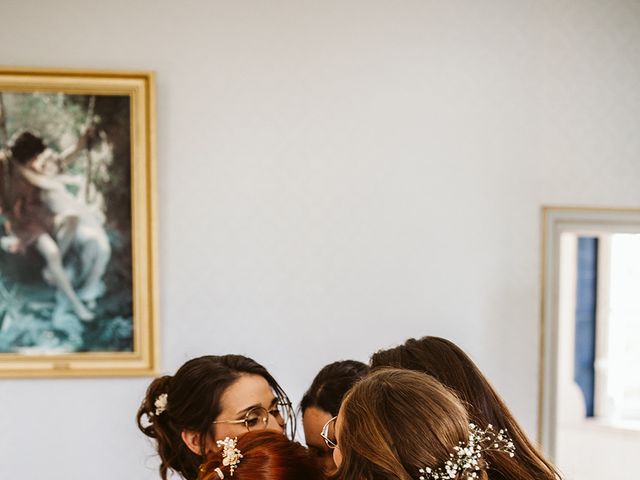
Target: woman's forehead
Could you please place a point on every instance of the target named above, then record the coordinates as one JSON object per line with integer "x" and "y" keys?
{"x": 247, "y": 391}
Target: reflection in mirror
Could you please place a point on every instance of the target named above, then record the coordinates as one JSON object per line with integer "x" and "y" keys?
{"x": 590, "y": 384}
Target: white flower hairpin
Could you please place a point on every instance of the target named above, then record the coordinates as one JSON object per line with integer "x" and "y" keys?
{"x": 161, "y": 403}
{"x": 230, "y": 455}
{"x": 466, "y": 456}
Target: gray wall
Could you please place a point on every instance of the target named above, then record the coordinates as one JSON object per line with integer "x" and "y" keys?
{"x": 335, "y": 176}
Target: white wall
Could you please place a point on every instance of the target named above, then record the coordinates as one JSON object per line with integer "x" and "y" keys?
{"x": 588, "y": 450}
{"x": 336, "y": 176}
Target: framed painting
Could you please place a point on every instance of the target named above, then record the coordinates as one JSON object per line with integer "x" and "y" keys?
{"x": 78, "y": 294}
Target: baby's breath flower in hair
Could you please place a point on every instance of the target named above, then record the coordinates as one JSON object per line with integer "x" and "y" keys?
{"x": 465, "y": 459}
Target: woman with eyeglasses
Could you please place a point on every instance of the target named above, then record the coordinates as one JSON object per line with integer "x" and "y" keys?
{"x": 322, "y": 401}
{"x": 210, "y": 398}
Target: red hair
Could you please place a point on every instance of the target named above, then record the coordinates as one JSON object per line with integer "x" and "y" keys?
{"x": 266, "y": 455}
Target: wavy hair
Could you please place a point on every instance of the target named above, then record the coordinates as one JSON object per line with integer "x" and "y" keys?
{"x": 450, "y": 365}
{"x": 395, "y": 422}
{"x": 194, "y": 394}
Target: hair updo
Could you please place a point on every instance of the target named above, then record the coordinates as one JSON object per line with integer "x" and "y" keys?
{"x": 192, "y": 403}
{"x": 266, "y": 455}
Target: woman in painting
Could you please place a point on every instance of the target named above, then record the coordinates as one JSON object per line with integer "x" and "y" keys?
{"x": 34, "y": 224}
{"x": 89, "y": 238}
{"x": 210, "y": 398}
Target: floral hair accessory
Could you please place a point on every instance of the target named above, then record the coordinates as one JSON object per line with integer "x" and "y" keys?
{"x": 230, "y": 455}
{"x": 466, "y": 458}
{"x": 161, "y": 403}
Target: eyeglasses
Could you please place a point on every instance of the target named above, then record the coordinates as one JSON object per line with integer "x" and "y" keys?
{"x": 258, "y": 417}
{"x": 328, "y": 433}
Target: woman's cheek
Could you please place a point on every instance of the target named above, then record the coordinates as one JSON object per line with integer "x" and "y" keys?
{"x": 337, "y": 456}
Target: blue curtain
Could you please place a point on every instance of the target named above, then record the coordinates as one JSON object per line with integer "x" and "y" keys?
{"x": 586, "y": 298}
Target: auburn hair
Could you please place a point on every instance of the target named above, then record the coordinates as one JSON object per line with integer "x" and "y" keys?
{"x": 450, "y": 365}
{"x": 266, "y": 455}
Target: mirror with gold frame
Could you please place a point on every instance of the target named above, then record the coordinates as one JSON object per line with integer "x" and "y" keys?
{"x": 590, "y": 351}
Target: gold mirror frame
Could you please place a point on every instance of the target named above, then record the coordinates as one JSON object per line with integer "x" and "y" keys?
{"x": 555, "y": 221}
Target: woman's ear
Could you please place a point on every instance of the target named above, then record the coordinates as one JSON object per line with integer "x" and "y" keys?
{"x": 192, "y": 440}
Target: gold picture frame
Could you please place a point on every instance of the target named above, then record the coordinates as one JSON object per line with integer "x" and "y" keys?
{"x": 98, "y": 315}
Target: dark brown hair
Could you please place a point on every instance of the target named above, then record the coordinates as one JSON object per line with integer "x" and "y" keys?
{"x": 395, "y": 422}
{"x": 26, "y": 146}
{"x": 330, "y": 385}
{"x": 265, "y": 456}
{"x": 194, "y": 394}
{"x": 448, "y": 364}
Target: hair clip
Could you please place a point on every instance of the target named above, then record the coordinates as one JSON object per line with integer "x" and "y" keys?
{"x": 230, "y": 455}
{"x": 161, "y": 403}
